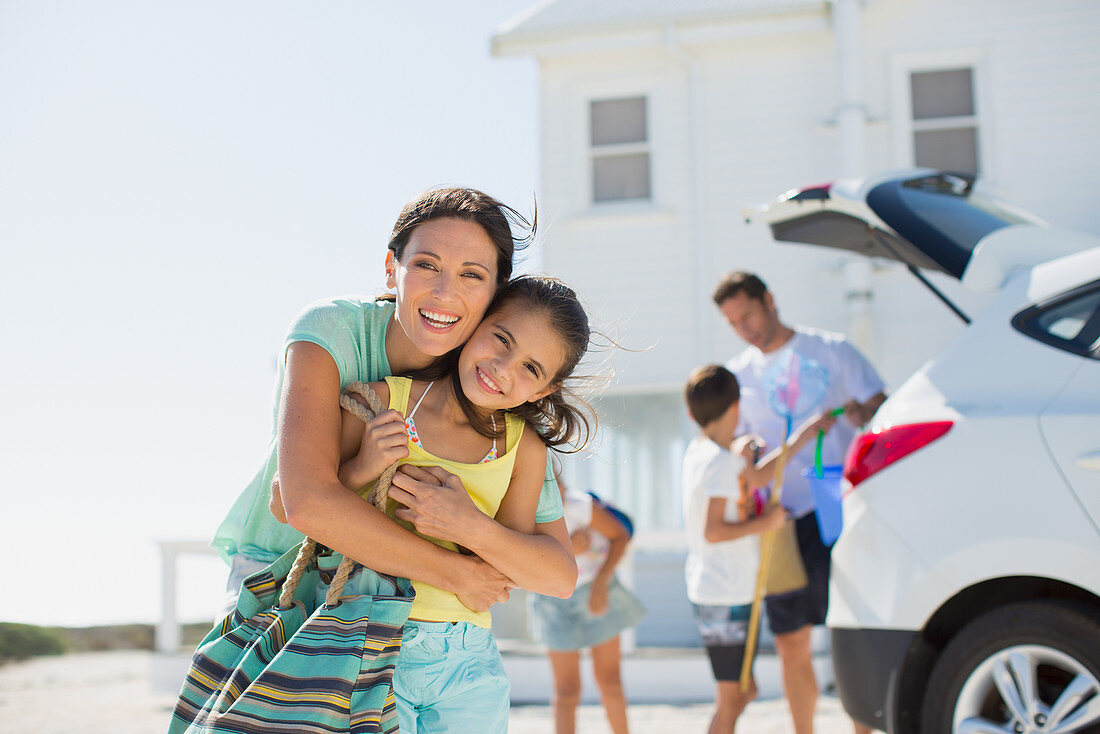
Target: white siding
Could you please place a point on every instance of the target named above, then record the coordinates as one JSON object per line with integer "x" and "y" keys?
{"x": 742, "y": 109}
{"x": 767, "y": 103}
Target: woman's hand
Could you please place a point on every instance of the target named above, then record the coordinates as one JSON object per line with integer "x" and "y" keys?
{"x": 384, "y": 441}
{"x": 597, "y": 598}
{"x": 483, "y": 586}
{"x": 436, "y": 503}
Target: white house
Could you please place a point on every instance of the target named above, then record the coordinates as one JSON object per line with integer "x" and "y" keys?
{"x": 661, "y": 120}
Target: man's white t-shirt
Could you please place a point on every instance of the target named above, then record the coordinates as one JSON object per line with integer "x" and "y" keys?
{"x": 848, "y": 376}
{"x": 719, "y": 574}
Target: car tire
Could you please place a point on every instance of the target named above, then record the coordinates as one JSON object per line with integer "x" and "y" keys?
{"x": 1041, "y": 647}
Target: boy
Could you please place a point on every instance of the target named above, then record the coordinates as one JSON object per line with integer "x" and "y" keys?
{"x": 723, "y": 552}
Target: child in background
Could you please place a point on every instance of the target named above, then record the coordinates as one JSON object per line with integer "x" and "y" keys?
{"x": 723, "y": 551}
{"x": 593, "y": 617}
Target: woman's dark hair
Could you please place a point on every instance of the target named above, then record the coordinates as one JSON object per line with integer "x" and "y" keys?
{"x": 470, "y": 205}
{"x": 561, "y": 417}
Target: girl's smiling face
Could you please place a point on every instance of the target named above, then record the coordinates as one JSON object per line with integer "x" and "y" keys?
{"x": 513, "y": 357}
{"x": 445, "y": 279}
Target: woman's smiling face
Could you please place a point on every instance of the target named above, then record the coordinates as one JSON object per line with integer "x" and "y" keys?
{"x": 513, "y": 357}
{"x": 444, "y": 281}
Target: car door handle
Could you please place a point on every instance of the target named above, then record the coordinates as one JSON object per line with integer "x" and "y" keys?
{"x": 1089, "y": 461}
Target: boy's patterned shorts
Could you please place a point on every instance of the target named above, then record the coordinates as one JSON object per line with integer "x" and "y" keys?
{"x": 724, "y": 630}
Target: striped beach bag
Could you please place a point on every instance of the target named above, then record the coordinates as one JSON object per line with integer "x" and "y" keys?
{"x": 283, "y": 663}
{"x": 311, "y": 646}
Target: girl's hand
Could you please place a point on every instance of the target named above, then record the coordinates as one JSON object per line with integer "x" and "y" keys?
{"x": 581, "y": 540}
{"x": 384, "y": 442}
{"x": 483, "y": 586}
{"x": 597, "y": 598}
{"x": 436, "y": 503}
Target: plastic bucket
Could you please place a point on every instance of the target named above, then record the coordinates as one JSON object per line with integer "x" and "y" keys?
{"x": 827, "y": 501}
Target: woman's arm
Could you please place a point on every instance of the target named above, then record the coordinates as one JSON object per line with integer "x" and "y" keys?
{"x": 318, "y": 505}
{"x": 366, "y": 448}
{"x": 536, "y": 556}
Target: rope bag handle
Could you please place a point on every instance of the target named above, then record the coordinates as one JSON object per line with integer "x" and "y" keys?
{"x": 378, "y": 496}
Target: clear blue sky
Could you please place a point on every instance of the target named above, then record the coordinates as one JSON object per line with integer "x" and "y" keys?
{"x": 177, "y": 179}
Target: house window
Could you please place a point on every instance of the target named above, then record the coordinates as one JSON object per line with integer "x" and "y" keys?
{"x": 945, "y": 123}
{"x": 619, "y": 138}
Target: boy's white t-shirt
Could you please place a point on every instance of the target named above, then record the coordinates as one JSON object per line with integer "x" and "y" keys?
{"x": 717, "y": 574}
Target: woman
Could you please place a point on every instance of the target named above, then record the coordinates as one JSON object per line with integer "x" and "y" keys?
{"x": 449, "y": 252}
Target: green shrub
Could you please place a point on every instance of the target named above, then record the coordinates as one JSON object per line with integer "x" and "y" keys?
{"x": 21, "y": 641}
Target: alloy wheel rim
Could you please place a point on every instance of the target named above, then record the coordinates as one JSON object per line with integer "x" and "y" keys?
{"x": 1028, "y": 689}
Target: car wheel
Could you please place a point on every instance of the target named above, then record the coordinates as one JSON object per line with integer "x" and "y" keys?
{"x": 1025, "y": 668}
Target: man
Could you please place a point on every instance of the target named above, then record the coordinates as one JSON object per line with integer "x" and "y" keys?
{"x": 851, "y": 382}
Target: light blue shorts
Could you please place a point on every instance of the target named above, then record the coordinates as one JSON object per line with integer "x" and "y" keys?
{"x": 450, "y": 678}
{"x": 567, "y": 624}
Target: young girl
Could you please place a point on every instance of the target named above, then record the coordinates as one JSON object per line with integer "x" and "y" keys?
{"x": 451, "y": 248}
{"x": 593, "y": 617}
{"x": 481, "y": 422}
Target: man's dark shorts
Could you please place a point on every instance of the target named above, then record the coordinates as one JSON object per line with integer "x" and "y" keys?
{"x": 791, "y": 612}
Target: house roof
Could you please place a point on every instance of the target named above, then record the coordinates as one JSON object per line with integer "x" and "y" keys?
{"x": 556, "y": 18}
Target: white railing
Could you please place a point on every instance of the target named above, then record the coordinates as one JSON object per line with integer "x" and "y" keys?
{"x": 168, "y": 628}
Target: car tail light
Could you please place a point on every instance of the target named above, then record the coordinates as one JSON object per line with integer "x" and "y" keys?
{"x": 877, "y": 449}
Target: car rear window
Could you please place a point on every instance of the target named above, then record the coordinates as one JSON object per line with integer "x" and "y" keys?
{"x": 1070, "y": 322}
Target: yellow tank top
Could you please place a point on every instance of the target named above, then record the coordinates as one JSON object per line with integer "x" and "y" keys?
{"x": 486, "y": 484}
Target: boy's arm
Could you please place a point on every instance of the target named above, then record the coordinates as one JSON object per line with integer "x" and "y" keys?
{"x": 534, "y": 556}
{"x": 764, "y": 470}
{"x": 718, "y": 529}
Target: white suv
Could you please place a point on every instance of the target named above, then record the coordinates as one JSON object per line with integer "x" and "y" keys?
{"x": 965, "y": 591}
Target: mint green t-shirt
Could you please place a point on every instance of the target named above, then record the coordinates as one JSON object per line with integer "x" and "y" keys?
{"x": 353, "y": 331}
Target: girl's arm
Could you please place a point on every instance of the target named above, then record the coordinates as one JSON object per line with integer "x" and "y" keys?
{"x": 764, "y": 470}
{"x": 607, "y": 525}
{"x": 718, "y": 529}
{"x": 535, "y": 556}
{"x": 319, "y": 505}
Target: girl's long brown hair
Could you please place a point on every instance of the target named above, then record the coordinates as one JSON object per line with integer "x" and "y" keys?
{"x": 560, "y": 418}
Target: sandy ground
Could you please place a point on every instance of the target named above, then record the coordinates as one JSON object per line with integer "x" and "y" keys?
{"x": 109, "y": 693}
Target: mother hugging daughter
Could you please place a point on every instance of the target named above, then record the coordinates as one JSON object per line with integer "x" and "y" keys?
{"x": 473, "y": 443}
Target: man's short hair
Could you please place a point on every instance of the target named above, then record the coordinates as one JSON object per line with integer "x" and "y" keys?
{"x": 736, "y": 282}
{"x": 709, "y": 393}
